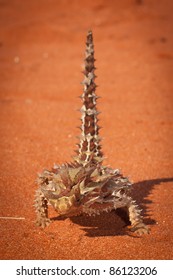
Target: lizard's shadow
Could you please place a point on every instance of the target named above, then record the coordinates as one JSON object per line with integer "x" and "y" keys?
{"x": 115, "y": 222}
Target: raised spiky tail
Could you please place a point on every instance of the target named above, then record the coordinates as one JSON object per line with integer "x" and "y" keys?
{"x": 89, "y": 146}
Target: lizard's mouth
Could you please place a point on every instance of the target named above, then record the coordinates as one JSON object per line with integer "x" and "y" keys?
{"x": 66, "y": 205}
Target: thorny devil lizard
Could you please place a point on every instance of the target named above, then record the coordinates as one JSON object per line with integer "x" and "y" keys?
{"x": 85, "y": 185}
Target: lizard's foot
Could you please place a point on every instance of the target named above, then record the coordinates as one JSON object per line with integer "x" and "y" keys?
{"x": 140, "y": 228}
{"x": 43, "y": 222}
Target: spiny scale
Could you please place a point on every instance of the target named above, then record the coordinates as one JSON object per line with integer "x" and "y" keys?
{"x": 85, "y": 185}
{"x": 89, "y": 146}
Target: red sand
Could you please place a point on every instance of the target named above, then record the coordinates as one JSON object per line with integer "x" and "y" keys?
{"x": 41, "y": 52}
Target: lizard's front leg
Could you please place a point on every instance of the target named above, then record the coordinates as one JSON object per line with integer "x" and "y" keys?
{"x": 134, "y": 213}
{"x": 135, "y": 218}
{"x": 41, "y": 209}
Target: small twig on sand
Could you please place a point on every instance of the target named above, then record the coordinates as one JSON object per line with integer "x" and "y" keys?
{"x": 12, "y": 218}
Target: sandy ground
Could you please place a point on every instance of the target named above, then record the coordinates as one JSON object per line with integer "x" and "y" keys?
{"x": 41, "y": 55}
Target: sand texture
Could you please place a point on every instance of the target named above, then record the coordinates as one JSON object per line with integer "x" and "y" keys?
{"x": 42, "y": 46}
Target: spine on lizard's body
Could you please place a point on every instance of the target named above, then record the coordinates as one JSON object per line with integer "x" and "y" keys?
{"x": 89, "y": 146}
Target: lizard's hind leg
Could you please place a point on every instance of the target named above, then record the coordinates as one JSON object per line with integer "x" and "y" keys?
{"x": 41, "y": 205}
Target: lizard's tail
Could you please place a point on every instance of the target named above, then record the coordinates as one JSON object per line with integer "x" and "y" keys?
{"x": 89, "y": 145}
